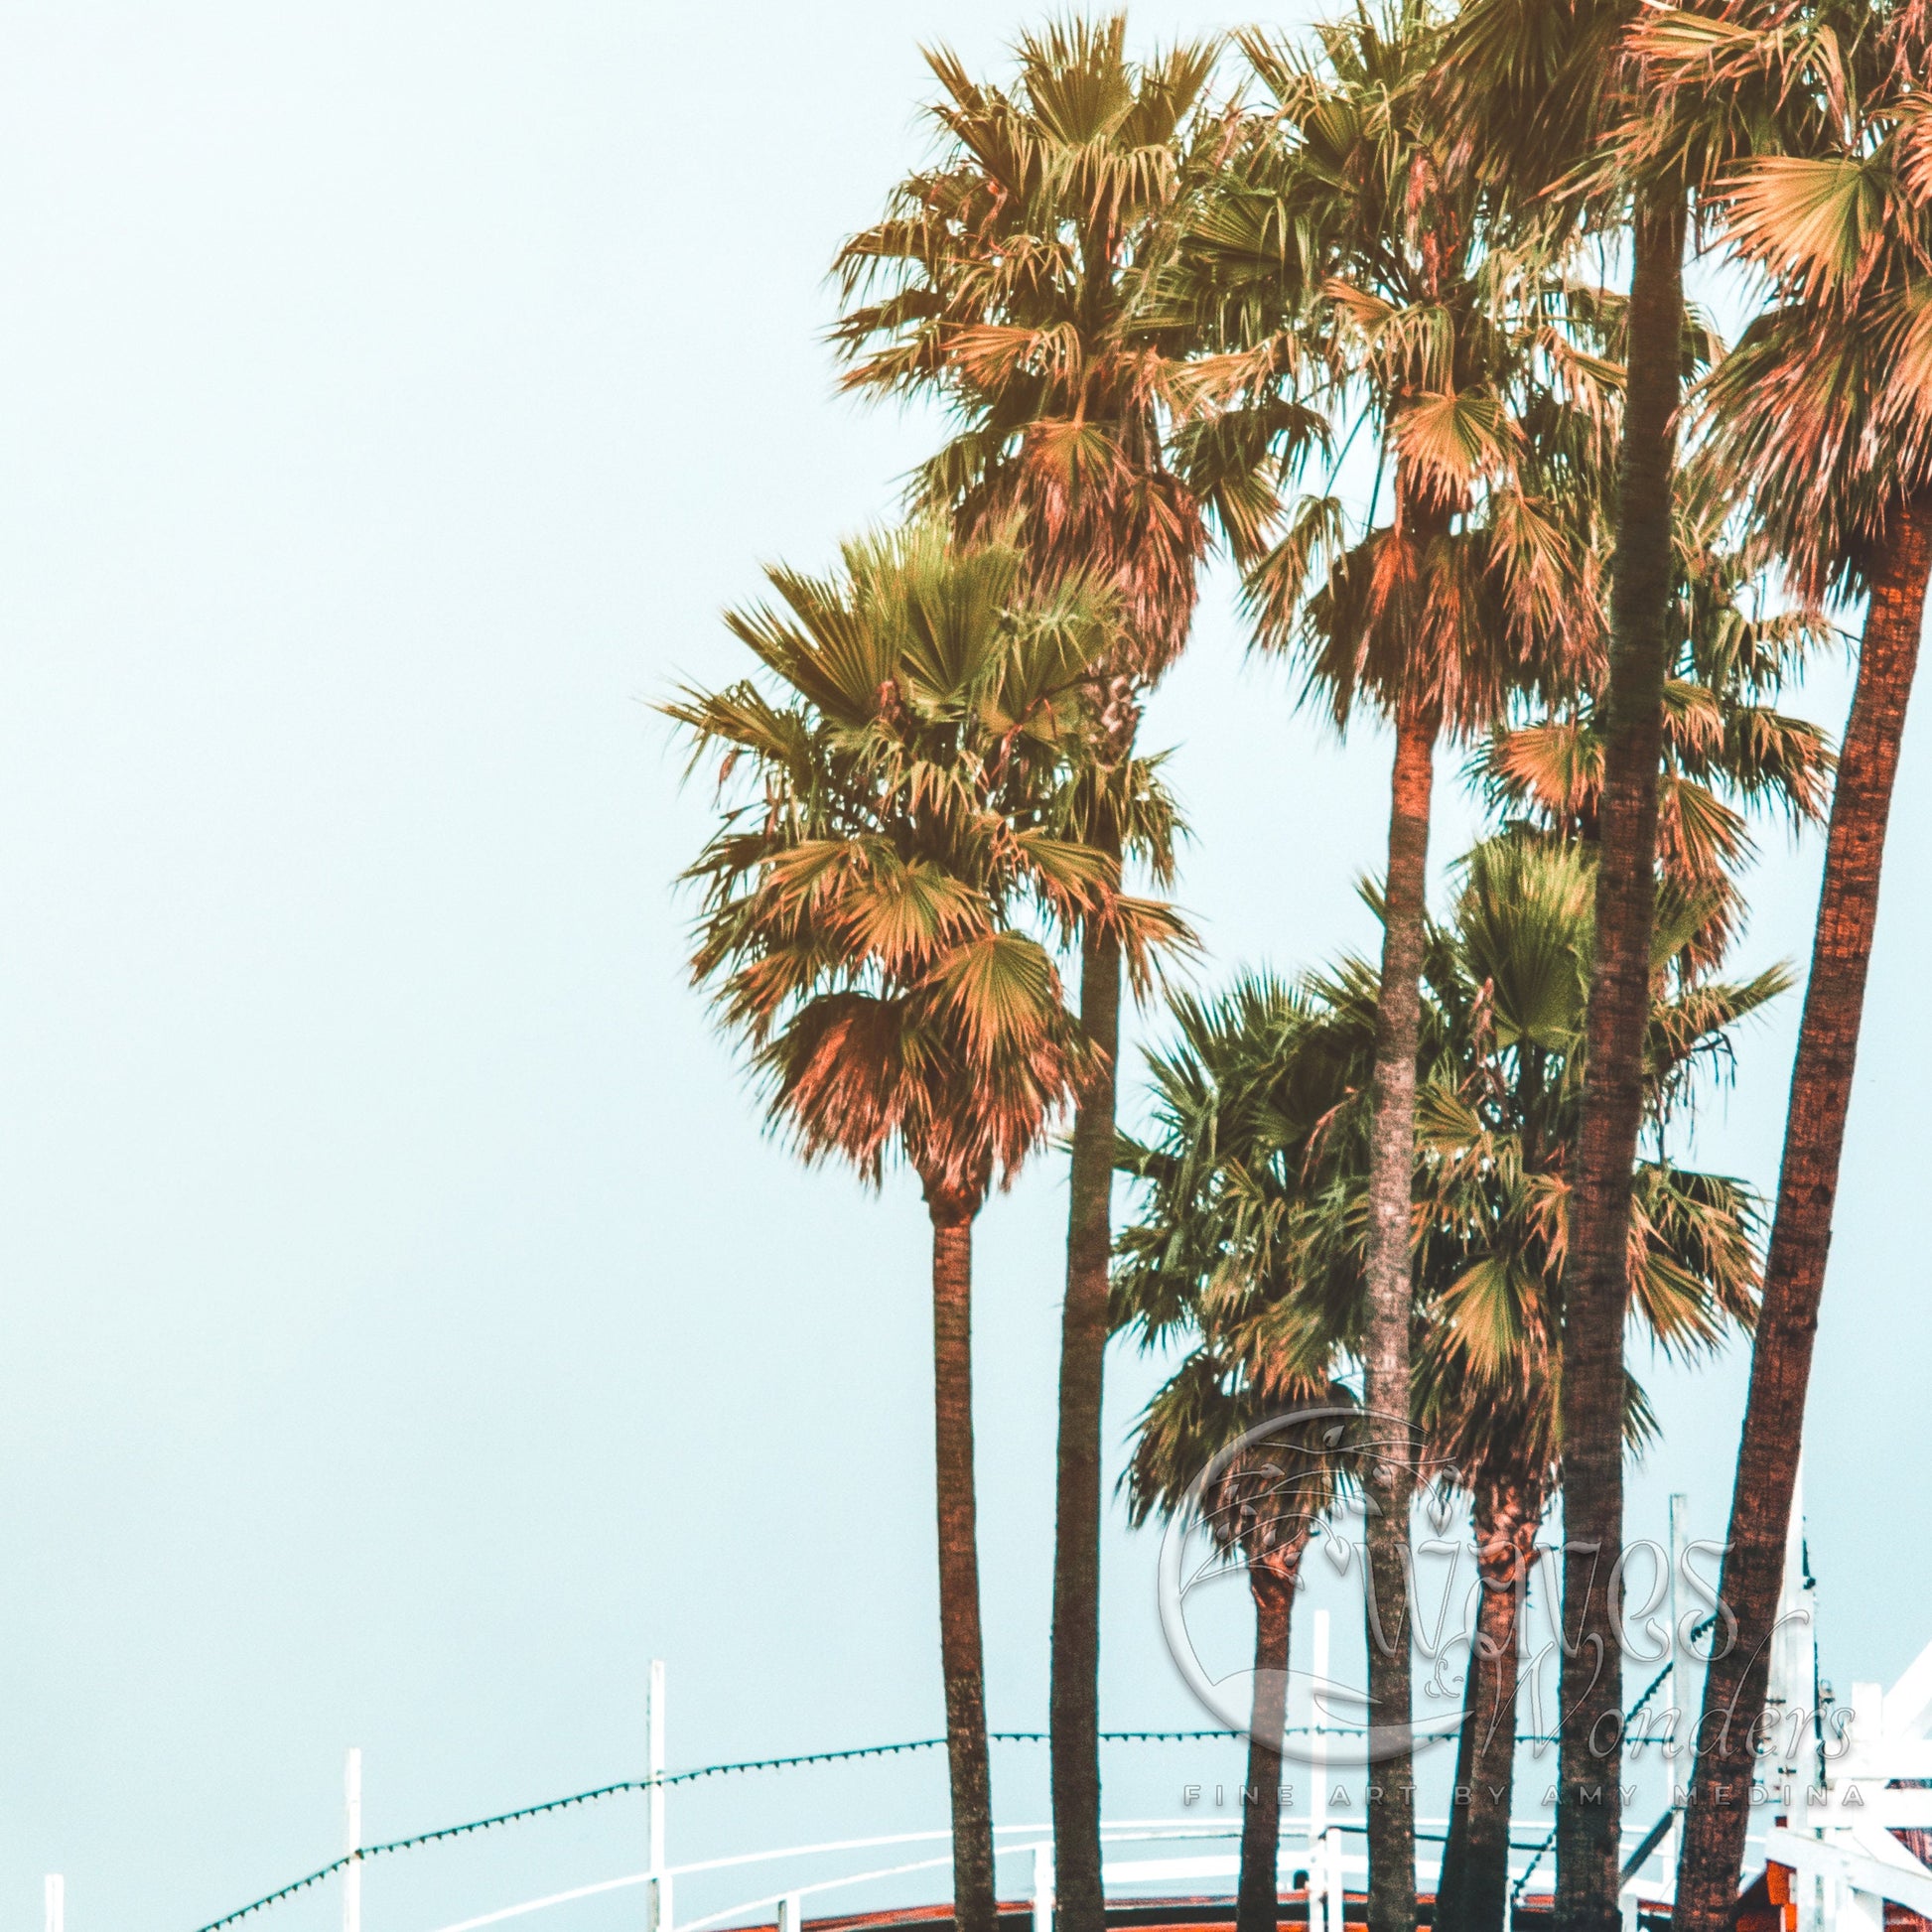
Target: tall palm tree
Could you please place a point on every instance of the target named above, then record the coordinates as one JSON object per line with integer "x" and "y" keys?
{"x": 1727, "y": 750}
{"x": 1344, "y": 240}
{"x": 1567, "y": 132}
{"x": 1236, "y": 1101}
{"x": 1500, "y": 1126}
{"x": 1253, "y": 1242}
{"x": 1006, "y": 280}
{"x": 1502, "y": 1072}
{"x": 871, "y": 908}
{"x": 1825, "y": 409}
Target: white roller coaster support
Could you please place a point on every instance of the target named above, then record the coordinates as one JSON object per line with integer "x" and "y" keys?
{"x": 353, "y": 1841}
{"x": 1840, "y": 1839}
{"x": 791, "y": 1912}
{"x": 57, "y": 1902}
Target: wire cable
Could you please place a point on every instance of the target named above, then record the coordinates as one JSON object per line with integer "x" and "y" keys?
{"x": 740, "y": 1766}
{"x": 736, "y": 1766}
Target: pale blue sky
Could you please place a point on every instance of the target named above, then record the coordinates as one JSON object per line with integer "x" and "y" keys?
{"x": 407, "y": 1332}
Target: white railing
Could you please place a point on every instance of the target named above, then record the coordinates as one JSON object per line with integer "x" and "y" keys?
{"x": 1308, "y": 1843}
{"x": 1035, "y": 1840}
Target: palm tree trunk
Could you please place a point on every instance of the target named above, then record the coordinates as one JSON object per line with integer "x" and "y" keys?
{"x": 1389, "y": 1475}
{"x": 1474, "y": 1894}
{"x": 1595, "y": 1291}
{"x": 1257, "y": 1897}
{"x": 1794, "y": 1271}
{"x": 962, "y": 1654}
{"x": 1075, "y": 1692}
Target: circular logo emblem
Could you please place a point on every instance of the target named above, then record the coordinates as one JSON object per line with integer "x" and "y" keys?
{"x": 1293, "y": 1491}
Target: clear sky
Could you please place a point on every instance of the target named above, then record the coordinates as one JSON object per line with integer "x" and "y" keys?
{"x": 407, "y": 1332}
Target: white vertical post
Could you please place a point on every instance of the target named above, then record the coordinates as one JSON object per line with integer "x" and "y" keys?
{"x": 1793, "y": 1680}
{"x": 1810, "y": 1899}
{"x": 1680, "y": 1677}
{"x": 1677, "y": 1768}
{"x": 1043, "y": 1888}
{"x": 791, "y": 1912}
{"x": 1320, "y": 1886}
{"x": 1831, "y": 1899}
{"x": 660, "y": 1889}
{"x": 1859, "y": 1911}
{"x": 57, "y": 1902}
{"x": 654, "y": 1717}
{"x": 353, "y": 1836}
{"x": 1337, "y": 1891}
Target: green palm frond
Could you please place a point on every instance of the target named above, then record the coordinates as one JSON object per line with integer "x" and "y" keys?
{"x": 1823, "y": 414}
{"x": 1348, "y": 225}
{"x": 1728, "y": 749}
{"x": 1020, "y": 282}
{"x": 1251, "y": 1184}
{"x": 892, "y": 851}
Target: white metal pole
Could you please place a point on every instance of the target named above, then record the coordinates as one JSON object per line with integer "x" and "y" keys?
{"x": 353, "y": 1834}
{"x": 791, "y": 1912}
{"x": 1794, "y": 1653}
{"x": 1043, "y": 1888}
{"x": 1337, "y": 1891}
{"x": 660, "y": 1889}
{"x": 1318, "y": 1887}
{"x": 1676, "y": 1769}
{"x": 1680, "y": 1677}
{"x": 656, "y": 1720}
{"x": 57, "y": 1902}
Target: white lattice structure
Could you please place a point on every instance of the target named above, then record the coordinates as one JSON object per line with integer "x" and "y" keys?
{"x": 1843, "y": 1786}
{"x": 1839, "y": 1841}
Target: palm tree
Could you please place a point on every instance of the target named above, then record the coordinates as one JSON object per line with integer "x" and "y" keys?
{"x": 867, "y": 924}
{"x": 1345, "y": 239}
{"x": 1261, "y": 1479}
{"x": 1727, "y": 750}
{"x": 1260, "y": 1484}
{"x": 1566, "y": 133}
{"x": 1571, "y": 130}
{"x": 1006, "y": 280}
{"x": 1248, "y": 1445}
{"x": 1500, "y": 1126}
{"x": 1253, "y": 1239}
{"x": 1825, "y": 410}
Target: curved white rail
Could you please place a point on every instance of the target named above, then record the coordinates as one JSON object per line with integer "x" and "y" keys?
{"x": 827, "y": 1884}
{"x": 1126, "y": 1831}
{"x": 555, "y": 1898}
